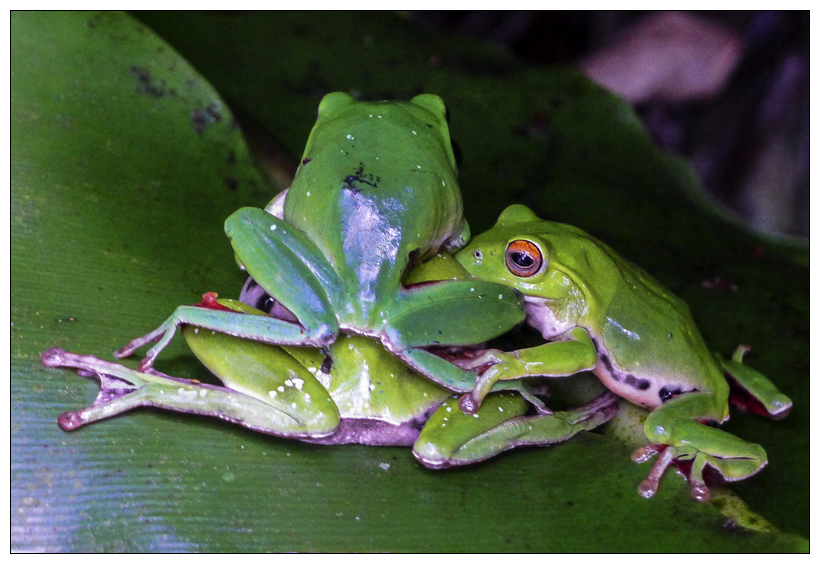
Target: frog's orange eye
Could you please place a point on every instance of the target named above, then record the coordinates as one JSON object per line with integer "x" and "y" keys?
{"x": 523, "y": 258}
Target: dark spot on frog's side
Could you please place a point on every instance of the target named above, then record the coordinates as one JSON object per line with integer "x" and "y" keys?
{"x": 637, "y": 383}
{"x": 608, "y": 365}
{"x": 668, "y": 392}
{"x": 628, "y": 379}
{"x": 306, "y": 160}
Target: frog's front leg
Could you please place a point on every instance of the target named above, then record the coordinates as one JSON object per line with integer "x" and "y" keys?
{"x": 571, "y": 353}
{"x": 448, "y": 313}
{"x": 285, "y": 262}
{"x": 452, "y": 438}
{"x": 675, "y": 433}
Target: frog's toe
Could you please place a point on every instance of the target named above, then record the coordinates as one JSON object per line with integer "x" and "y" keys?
{"x": 71, "y": 420}
{"x": 647, "y": 488}
{"x": 468, "y": 404}
{"x": 700, "y": 492}
{"x": 429, "y": 454}
{"x": 53, "y": 357}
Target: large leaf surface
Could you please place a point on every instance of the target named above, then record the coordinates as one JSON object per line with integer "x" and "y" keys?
{"x": 125, "y": 162}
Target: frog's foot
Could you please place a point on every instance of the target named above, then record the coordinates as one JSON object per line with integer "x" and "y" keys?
{"x": 112, "y": 387}
{"x": 751, "y": 390}
{"x": 496, "y": 365}
{"x": 123, "y": 389}
{"x": 452, "y": 438}
{"x": 698, "y": 463}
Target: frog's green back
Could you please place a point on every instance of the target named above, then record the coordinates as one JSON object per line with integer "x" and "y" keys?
{"x": 644, "y": 327}
{"x": 377, "y": 183}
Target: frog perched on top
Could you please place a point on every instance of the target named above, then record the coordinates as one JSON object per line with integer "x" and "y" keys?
{"x": 375, "y": 193}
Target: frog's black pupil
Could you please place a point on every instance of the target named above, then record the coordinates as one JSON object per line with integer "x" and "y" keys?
{"x": 524, "y": 260}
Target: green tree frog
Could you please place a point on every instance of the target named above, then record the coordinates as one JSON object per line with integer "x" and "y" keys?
{"x": 599, "y": 312}
{"x": 375, "y": 193}
{"x": 353, "y": 391}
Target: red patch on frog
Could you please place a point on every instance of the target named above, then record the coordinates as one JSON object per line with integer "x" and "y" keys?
{"x": 209, "y": 302}
{"x": 711, "y": 476}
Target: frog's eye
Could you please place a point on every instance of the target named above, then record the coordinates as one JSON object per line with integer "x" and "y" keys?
{"x": 524, "y": 258}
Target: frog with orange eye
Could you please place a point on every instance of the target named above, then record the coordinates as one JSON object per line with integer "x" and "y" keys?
{"x": 599, "y": 312}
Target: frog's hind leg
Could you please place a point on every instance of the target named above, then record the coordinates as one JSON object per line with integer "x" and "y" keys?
{"x": 123, "y": 389}
{"x": 765, "y": 398}
{"x": 453, "y": 438}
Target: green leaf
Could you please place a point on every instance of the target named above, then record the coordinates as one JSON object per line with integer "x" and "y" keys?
{"x": 125, "y": 162}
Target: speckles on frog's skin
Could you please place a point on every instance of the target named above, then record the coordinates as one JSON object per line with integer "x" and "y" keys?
{"x": 189, "y": 395}
{"x": 295, "y": 382}
{"x": 306, "y": 160}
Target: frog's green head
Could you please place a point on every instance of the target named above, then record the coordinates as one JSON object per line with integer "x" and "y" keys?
{"x": 516, "y": 253}
{"x": 347, "y": 113}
